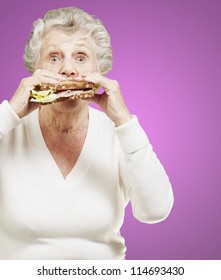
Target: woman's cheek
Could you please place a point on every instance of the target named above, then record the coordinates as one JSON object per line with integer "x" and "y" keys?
{"x": 52, "y": 68}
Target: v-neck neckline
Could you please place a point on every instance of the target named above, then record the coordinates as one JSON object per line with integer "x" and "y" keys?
{"x": 49, "y": 164}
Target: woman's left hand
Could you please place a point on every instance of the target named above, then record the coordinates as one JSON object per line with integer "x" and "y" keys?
{"x": 111, "y": 100}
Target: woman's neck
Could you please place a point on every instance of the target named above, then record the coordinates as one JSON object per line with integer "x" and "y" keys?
{"x": 57, "y": 121}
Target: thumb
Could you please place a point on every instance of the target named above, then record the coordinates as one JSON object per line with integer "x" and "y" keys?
{"x": 95, "y": 98}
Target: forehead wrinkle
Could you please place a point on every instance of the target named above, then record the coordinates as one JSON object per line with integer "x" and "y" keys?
{"x": 81, "y": 43}
{"x": 62, "y": 37}
{"x": 58, "y": 45}
{"x": 77, "y": 47}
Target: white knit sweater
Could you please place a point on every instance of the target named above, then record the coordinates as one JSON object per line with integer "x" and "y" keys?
{"x": 44, "y": 216}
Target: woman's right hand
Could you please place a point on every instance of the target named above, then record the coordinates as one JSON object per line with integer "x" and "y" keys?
{"x": 20, "y": 101}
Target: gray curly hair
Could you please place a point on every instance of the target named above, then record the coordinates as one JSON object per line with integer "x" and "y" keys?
{"x": 70, "y": 19}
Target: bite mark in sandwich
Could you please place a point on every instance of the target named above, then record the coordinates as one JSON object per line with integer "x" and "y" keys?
{"x": 46, "y": 93}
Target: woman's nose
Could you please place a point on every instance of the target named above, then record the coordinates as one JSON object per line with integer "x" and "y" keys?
{"x": 68, "y": 68}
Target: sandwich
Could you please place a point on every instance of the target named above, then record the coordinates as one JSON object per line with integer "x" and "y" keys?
{"x": 47, "y": 93}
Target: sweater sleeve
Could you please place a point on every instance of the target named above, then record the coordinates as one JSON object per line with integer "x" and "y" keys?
{"x": 8, "y": 118}
{"x": 145, "y": 181}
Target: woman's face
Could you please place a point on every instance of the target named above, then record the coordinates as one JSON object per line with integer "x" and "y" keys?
{"x": 67, "y": 54}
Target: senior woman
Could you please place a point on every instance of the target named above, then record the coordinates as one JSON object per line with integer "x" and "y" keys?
{"x": 67, "y": 171}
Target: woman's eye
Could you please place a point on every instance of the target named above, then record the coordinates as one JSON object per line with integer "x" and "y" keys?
{"x": 81, "y": 58}
{"x": 54, "y": 58}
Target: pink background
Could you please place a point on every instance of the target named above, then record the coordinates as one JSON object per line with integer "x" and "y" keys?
{"x": 167, "y": 58}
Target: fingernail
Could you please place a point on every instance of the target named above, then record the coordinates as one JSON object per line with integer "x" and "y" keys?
{"x": 77, "y": 77}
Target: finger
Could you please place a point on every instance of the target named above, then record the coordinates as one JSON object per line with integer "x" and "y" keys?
{"x": 97, "y": 98}
{"x": 89, "y": 77}
{"x": 48, "y": 74}
{"x": 107, "y": 84}
{"x": 47, "y": 79}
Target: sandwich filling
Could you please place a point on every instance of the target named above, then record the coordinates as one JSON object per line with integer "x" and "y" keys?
{"x": 49, "y": 93}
